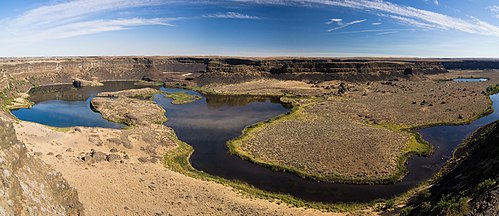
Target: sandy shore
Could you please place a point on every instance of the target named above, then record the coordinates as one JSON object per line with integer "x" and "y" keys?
{"x": 131, "y": 187}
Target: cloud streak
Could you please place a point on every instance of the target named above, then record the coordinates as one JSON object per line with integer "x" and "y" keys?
{"x": 495, "y": 9}
{"x": 335, "y": 20}
{"x": 93, "y": 27}
{"x": 230, "y": 15}
{"x": 74, "y": 18}
{"x": 343, "y": 25}
{"x": 411, "y": 15}
{"x": 374, "y": 31}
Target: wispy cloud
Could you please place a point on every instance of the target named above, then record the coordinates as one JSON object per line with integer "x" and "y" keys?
{"x": 429, "y": 18}
{"x": 343, "y": 25}
{"x": 412, "y": 22}
{"x": 495, "y": 9}
{"x": 230, "y": 15}
{"x": 74, "y": 18}
{"x": 376, "y": 23}
{"x": 93, "y": 27}
{"x": 387, "y": 32}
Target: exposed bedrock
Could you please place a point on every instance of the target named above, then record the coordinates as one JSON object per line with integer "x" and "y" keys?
{"x": 232, "y": 71}
{"x": 469, "y": 181}
{"x": 27, "y": 184}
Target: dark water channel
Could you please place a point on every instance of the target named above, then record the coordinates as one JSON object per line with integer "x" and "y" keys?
{"x": 207, "y": 125}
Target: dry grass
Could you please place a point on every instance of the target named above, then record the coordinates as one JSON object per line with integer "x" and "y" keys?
{"x": 418, "y": 103}
{"x": 321, "y": 143}
{"x": 266, "y": 87}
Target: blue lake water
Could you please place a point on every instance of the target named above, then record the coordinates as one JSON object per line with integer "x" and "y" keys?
{"x": 470, "y": 79}
{"x": 66, "y": 106}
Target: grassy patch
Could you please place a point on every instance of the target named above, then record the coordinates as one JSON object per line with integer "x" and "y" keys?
{"x": 447, "y": 205}
{"x": 485, "y": 185}
{"x": 182, "y": 97}
{"x": 143, "y": 96}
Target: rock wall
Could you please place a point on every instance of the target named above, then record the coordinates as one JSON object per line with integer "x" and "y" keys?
{"x": 27, "y": 185}
{"x": 469, "y": 182}
{"x": 471, "y": 64}
{"x": 39, "y": 71}
{"x": 225, "y": 70}
{"x": 234, "y": 70}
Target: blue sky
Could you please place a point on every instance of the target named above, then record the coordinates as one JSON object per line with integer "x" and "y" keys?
{"x": 420, "y": 28}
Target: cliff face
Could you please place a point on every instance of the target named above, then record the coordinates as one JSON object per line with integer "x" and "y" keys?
{"x": 27, "y": 184}
{"x": 233, "y": 70}
{"x": 221, "y": 70}
{"x": 39, "y": 71}
{"x": 469, "y": 181}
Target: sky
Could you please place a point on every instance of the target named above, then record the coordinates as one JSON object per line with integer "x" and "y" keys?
{"x": 328, "y": 28}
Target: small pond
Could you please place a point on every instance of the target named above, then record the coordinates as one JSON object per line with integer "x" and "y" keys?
{"x": 470, "y": 79}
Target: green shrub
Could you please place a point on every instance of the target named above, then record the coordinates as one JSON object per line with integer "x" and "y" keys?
{"x": 485, "y": 185}
{"x": 493, "y": 89}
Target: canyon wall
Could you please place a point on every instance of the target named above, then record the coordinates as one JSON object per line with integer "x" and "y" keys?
{"x": 40, "y": 71}
{"x": 24, "y": 73}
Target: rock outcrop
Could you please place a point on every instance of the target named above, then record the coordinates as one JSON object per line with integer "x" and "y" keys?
{"x": 27, "y": 184}
{"x": 468, "y": 183}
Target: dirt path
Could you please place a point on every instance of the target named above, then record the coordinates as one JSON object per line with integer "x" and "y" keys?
{"x": 130, "y": 187}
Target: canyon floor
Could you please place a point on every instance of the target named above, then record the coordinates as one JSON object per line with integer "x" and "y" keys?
{"x": 343, "y": 130}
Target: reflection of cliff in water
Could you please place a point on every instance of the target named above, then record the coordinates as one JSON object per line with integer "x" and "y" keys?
{"x": 68, "y": 93}
{"x": 216, "y": 101}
